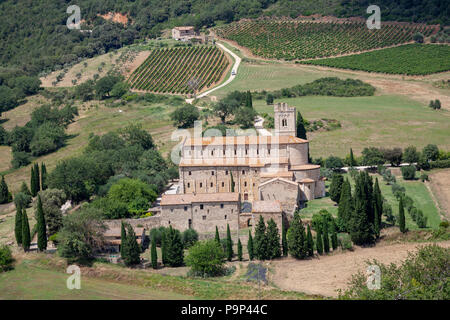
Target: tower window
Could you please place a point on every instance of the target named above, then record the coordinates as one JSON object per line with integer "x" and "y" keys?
{"x": 204, "y": 217}
{"x": 190, "y": 172}
{"x": 201, "y": 207}
{"x": 284, "y": 122}
{"x": 221, "y": 205}
{"x": 189, "y": 185}
{"x": 225, "y": 217}
{"x": 185, "y": 208}
{"x": 201, "y": 184}
{"x": 226, "y": 172}
{"x": 211, "y": 184}
{"x": 223, "y": 184}
{"x": 212, "y": 173}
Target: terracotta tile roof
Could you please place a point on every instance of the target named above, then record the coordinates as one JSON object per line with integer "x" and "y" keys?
{"x": 307, "y": 180}
{"x": 305, "y": 167}
{"x": 243, "y": 140}
{"x": 262, "y": 206}
{"x": 278, "y": 179}
{"x": 232, "y": 162}
{"x": 188, "y": 198}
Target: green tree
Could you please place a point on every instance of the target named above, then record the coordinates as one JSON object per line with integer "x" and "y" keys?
{"x": 336, "y": 186}
{"x": 430, "y": 152}
{"x": 301, "y": 131}
{"x": 260, "y": 240}
{"x": 33, "y": 187}
{"x": 248, "y": 100}
{"x": 326, "y": 238}
{"x": 225, "y": 108}
{"x": 239, "y": 248}
{"x": 5, "y": 195}
{"x": 411, "y": 155}
{"x": 184, "y": 117}
{"x": 273, "y": 240}
{"x": 269, "y": 99}
{"x": 175, "y": 250}
{"x": 154, "y": 255}
{"x": 132, "y": 250}
{"x": 41, "y": 226}
{"x": 284, "y": 243}
{"x": 345, "y": 208}
{"x": 37, "y": 177}
{"x": 401, "y": 216}
{"x": 18, "y": 225}
{"x": 319, "y": 242}
{"x": 26, "y": 237}
{"x": 250, "y": 246}
{"x": 24, "y": 189}
{"x": 217, "y": 237}
{"x": 164, "y": 247}
{"x": 378, "y": 202}
{"x": 43, "y": 176}
{"x": 206, "y": 258}
{"x": 123, "y": 240}
{"x": 245, "y": 117}
{"x": 334, "y": 238}
{"x": 296, "y": 238}
{"x": 229, "y": 251}
{"x": 309, "y": 242}
{"x": 352, "y": 159}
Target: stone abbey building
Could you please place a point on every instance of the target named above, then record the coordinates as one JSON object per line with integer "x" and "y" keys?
{"x": 233, "y": 180}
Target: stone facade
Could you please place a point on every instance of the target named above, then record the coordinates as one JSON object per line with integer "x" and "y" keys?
{"x": 256, "y": 169}
{"x": 183, "y": 33}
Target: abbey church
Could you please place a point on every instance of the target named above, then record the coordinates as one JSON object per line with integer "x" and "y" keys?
{"x": 233, "y": 180}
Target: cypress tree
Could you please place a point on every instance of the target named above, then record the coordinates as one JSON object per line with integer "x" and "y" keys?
{"x": 352, "y": 158}
{"x": 260, "y": 240}
{"x": 334, "y": 239}
{"x": 239, "y": 248}
{"x": 4, "y": 192}
{"x": 41, "y": 226}
{"x": 26, "y": 237}
{"x": 378, "y": 203}
{"x": 174, "y": 248}
{"x": 336, "y": 187}
{"x": 164, "y": 247}
{"x": 301, "y": 131}
{"x": 401, "y": 216}
{"x": 33, "y": 186}
{"x": 250, "y": 246}
{"x": 133, "y": 251}
{"x": 123, "y": 241}
{"x": 376, "y": 226}
{"x": 154, "y": 255}
{"x": 319, "y": 242}
{"x": 273, "y": 240}
{"x": 248, "y": 100}
{"x": 296, "y": 238}
{"x": 229, "y": 252}
{"x": 284, "y": 243}
{"x": 361, "y": 230}
{"x": 345, "y": 208}
{"x": 217, "y": 238}
{"x": 24, "y": 189}
{"x": 37, "y": 177}
{"x": 43, "y": 176}
{"x": 309, "y": 242}
{"x": 18, "y": 226}
{"x": 326, "y": 238}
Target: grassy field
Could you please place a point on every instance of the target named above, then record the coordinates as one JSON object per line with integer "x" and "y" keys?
{"x": 377, "y": 121}
{"x": 414, "y": 189}
{"x": 412, "y": 59}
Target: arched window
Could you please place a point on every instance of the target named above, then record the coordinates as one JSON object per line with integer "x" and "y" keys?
{"x": 284, "y": 122}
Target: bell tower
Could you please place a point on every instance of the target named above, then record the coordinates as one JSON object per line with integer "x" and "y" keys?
{"x": 285, "y": 120}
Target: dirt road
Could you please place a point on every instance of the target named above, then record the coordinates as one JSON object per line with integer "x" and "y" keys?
{"x": 326, "y": 274}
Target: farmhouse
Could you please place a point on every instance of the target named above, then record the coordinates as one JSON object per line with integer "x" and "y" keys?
{"x": 219, "y": 174}
{"x": 112, "y": 237}
{"x": 183, "y": 33}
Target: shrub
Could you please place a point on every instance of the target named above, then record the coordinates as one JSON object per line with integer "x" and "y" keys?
{"x": 158, "y": 233}
{"x": 206, "y": 258}
{"x": 189, "y": 237}
{"x": 344, "y": 241}
{"x": 6, "y": 258}
{"x": 424, "y": 177}
{"x": 409, "y": 172}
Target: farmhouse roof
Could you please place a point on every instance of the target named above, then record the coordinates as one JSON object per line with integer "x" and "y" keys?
{"x": 307, "y": 180}
{"x": 305, "y": 167}
{"x": 283, "y": 174}
{"x": 184, "y": 28}
{"x": 266, "y": 206}
{"x": 189, "y": 198}
{"x": 278, "y": 179}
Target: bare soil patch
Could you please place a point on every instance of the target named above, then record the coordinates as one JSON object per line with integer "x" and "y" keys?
{"x": 325, "y": 275}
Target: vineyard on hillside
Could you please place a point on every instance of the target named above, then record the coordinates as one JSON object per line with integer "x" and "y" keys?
{"x": 298, "y": 39}
{"x": 171, "y": 70}
{"x": 410, "y": 59}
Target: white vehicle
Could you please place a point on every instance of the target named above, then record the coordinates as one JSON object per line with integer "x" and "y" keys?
{"x": 233, "y": 73}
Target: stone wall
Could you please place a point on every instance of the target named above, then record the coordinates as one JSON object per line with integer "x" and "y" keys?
{"x": 148, "y": 223}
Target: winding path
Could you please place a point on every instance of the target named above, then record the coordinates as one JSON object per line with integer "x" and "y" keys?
{"x": 237, "y": 62}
